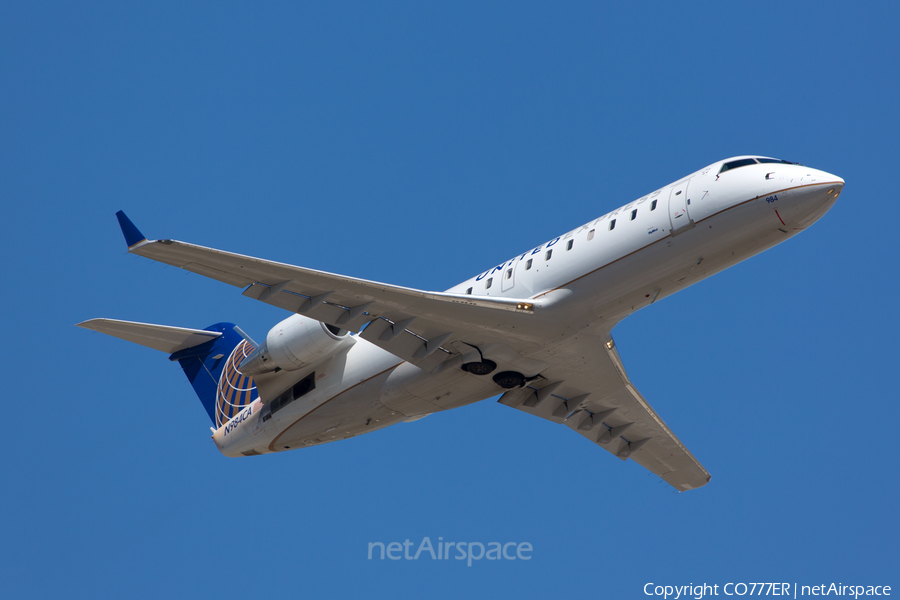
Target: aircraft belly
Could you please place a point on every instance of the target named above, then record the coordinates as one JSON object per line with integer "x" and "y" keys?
{"x": 342, "y": 414}
{"x": 392, "y": 396}
{"x": 339, "y": 420}
{"x": 414, "y": 391}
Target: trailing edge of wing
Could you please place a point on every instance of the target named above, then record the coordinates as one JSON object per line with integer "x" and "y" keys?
{"x": 423, "y": 323}
{"x": 585, "y": 387}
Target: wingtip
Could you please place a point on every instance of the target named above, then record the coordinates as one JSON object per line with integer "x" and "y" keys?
{"x": 133, "y": 235}
{"x": 90, "y": 324}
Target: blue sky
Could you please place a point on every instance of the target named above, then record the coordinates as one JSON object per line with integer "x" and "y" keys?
{"x": 419, "y": 145}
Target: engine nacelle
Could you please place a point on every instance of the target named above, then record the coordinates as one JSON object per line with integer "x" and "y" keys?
{"x": 294, "y": 343}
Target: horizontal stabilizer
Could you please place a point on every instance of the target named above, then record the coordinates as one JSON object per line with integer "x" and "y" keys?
{"x": 159, "y": 337}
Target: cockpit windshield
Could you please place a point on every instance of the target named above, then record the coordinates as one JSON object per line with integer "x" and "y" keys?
{"x": 736, "y": 164}
{"x": 743, "y": 162}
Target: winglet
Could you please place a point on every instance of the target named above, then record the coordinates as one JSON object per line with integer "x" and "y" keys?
{"x": 132, "y": 234}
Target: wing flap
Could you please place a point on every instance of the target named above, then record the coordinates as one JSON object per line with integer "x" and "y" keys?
{"x": 219, "y": 275}
{"x": 592, "y": 395}
{"x": 433, "y": 320}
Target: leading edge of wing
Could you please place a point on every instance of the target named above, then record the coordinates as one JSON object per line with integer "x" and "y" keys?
{"x": 184, "y": 255}
{"x": 350, "y": 303}
{"x": 586, "y": 388}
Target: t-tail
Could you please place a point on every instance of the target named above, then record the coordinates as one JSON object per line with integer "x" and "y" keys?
{"x": 209, "y": 357}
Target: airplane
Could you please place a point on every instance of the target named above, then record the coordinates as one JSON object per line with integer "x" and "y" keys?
{"x": 356, "y": 356}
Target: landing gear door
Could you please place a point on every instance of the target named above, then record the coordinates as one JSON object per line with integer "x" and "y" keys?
{"x": 679, "y": 215}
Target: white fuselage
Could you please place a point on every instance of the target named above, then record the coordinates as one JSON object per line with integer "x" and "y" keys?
{"x": 587, "y": 280}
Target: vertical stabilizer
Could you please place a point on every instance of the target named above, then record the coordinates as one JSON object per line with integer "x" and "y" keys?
{"x": 212, "y": 370}
{"x": 209, "y": 357}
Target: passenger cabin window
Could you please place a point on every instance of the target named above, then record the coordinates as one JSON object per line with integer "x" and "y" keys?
{"x": 612, "y": 224}
{"x": 569, "y": 245}
{"x": 633, "y": 214}
{"x": 548, "y": 255}
{"x": 528, "y": 264}
{"x": 469, "y": 291}
{"x": 591, "y": 234}
{"x": 736, "y": 164}
{"x": 653, "y": 205}
{"x": 509, "y": 273}
{"x": 489, "y": 282}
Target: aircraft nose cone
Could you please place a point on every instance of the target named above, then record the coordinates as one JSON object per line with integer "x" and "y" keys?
{"x": 818, "y": 176}
{"x": 815, "y": 199}
{"x": 826, "y": 185}
{"x": 838, "y": 181}
{"x": 837, "y": 186}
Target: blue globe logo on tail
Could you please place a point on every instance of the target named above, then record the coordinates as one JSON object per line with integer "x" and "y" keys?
{"x": 212, "y": 369}
{"x": 235, "y": 390}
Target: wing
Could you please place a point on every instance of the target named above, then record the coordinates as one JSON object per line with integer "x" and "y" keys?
{"x": 586, "y": 388}
{"x": 579, "y": 381}
{"x": 425, "y": 328}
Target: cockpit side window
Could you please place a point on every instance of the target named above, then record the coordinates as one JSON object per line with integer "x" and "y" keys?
{"x": 734, "y": 164}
